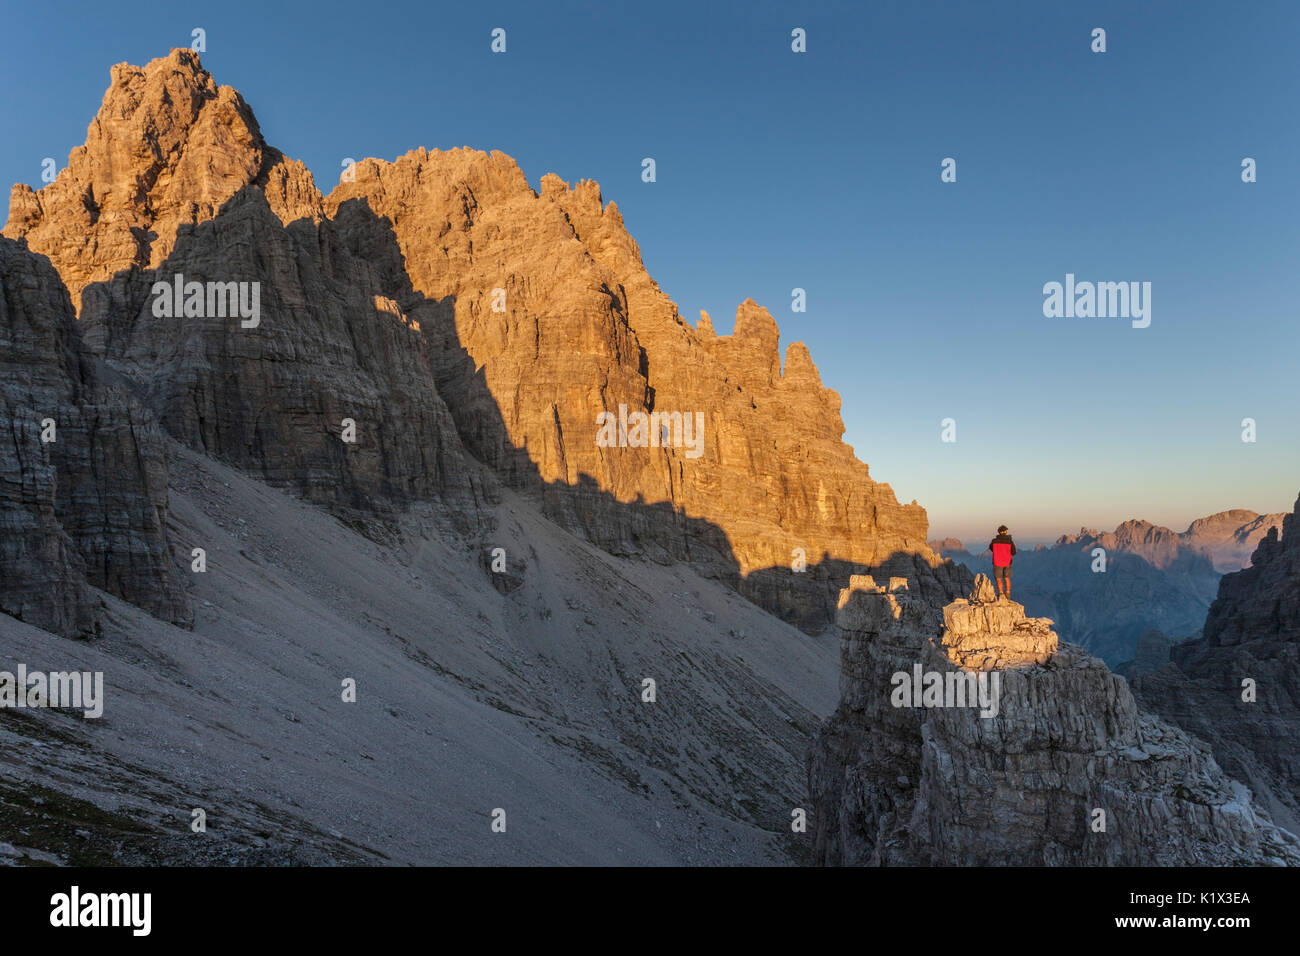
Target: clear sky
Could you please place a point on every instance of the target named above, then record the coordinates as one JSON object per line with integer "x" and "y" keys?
{"x": 821, "y": 171}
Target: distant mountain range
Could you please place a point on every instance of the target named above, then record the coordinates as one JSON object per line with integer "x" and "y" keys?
{"x": 1251, "y": 633}
{"x": 1154, "y": 577}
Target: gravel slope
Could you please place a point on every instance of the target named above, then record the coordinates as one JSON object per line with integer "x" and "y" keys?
{"x": 468, "y": 700}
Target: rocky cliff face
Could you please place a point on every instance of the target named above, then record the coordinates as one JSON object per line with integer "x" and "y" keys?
{"x": 444, "y": 305}
{"x": 552, "y": 321}
{"x": 899, "y": 776}
{"x": 175, "y": 180}
{"x": 1252, "y": 634}
{"x": 167, "y": 148}
{"x": 88, "y": 507}
{"x": 330, "y": 348}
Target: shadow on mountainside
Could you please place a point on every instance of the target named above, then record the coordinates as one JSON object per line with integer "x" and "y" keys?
{"x": 269, "y": 401}
{"x": 550, "y": 662}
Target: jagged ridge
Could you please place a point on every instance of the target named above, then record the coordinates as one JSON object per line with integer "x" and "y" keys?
{"x": 163, "y": 186}
{"x": 1252, "y": 632}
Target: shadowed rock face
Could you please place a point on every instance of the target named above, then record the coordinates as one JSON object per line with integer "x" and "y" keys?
{"x": 1153, "y": 650}
{"x": 438, "y": 301}
{"x": 331, "y": 345}
{"x": 1252, "y": 632}
{"x": 941, "y": 785}
{"x": 89, "y": 507}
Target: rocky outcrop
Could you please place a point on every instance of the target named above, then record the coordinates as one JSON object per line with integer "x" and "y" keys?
{"x": 439, "y": 300}
{"x": 88, "y": 506}
{"x": 554, "y": 322}
{"x": 1152, "y": 579}
{"x": 1035, "y": 754}
{"x": 1238, "y": 687}
{"x": 984, "y": 633}
{"x": 167, "y": 148}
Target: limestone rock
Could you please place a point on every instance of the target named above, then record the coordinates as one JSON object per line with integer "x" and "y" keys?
{"x": 883, "y": 615}
{"x": 89, "y": 507}
{"x": 897, "y": 784}
{"x": 549, "y": 319}
{"x": 984, "y": 592}
{"x": 531, "y": 310}
{"x": 995, "y": 636}
{"x": 332, "y": 347}
{"x": 1252, "y": 632}
{"x": 167, "y": 147}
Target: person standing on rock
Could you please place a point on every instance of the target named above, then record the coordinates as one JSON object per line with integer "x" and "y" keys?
{"x": 1004, "y": 549}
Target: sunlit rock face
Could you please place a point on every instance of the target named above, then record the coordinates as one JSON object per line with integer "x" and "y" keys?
{"x": 982, "y": 633}
{"x": 550, "y": 321}
{"x": 446, "y": 306}
{"x": 1034, "y": 753}
{"x": 167, "y": 147}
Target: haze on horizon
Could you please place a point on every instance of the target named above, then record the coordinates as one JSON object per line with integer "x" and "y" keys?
{"x": 821, "y": 171}
{"x": 1033, "y": 532}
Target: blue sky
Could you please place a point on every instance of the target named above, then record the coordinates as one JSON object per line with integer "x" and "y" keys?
{"x": 778, "y": 170}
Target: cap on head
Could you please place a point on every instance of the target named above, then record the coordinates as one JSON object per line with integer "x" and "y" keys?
{"x": 1002, "y": 529}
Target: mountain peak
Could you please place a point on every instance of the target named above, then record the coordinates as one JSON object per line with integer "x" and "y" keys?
{"x": 1229, "y": 537}
{"x": 168, "y": 147}
{"x": 529, "y": 314}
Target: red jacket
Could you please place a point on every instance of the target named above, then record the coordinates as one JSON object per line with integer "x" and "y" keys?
{"x": 1004, "y": 549}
